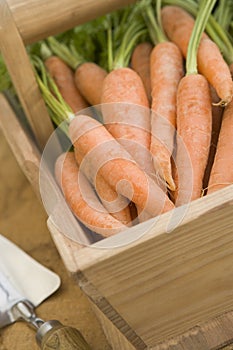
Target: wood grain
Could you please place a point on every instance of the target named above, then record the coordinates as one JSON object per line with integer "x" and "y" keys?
{"x": 22, "y": 76}
{"x": 25, "y": 151}
{"x": 165, "y": 284}
{"x": 37, "y": 19}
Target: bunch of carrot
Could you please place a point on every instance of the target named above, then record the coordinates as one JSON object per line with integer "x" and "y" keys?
{"x": 164, "y": 96}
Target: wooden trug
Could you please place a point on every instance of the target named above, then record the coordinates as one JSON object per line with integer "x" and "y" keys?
{"x": 162, "y": 291}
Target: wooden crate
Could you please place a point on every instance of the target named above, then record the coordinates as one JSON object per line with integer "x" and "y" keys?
{"x": 164, "y": 290}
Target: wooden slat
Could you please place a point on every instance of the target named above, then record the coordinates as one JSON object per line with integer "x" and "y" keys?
{"x": 25, "y": 151}
{"x": 37, "y": 19}
{"x": 212, "y": 335}
{"x": 19, "y": 67}
{"x": 114, "y": 336}
{"x": 164, "y": 284}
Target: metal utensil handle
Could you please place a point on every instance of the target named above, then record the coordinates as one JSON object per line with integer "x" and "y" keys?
{"x": 53, "y": 335}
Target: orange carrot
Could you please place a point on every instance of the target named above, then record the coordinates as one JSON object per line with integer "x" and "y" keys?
{"x": 178, "y": 25}
{"x": 127, "y": 115}
{"x": 140, "y": 62}
{"x": 115, "y": 204}
{"x": 89, "y": 78}
{"x": 166, "y": 72}
{"x": 64, "y": 79}
{"x": 166, "y": 67}
{"x": 81, "y": 197}
{"x": 222, "y": 170}
{"x": 116, "y": 166}
{"x": 125, "y": 105}
{"x": 194, "y": 118}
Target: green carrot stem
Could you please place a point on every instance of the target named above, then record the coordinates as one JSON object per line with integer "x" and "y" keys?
{"x": 198, "y": 29}
{"x": 39, "y": 65}
{"x": 134, "y": 32}
{"x": 65, "y": 54}
{"x": 110, "y": 47}
{"x": 224, "y": 13}
{"x": 158, "y": 16}
{"x": 156, "y": 33}
{"x": 45, "y": 51}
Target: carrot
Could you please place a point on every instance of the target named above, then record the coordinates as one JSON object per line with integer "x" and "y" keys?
{"x": 217, "y": 112}
{"x": 166, "y": 66}
{"x": 115, "y": 204}
{"x": 89, "y": 76}
{"x": 125, "y": 106}
{"x": 63, "y": 76}
{"x": 81, "y": 197}
{"x": 140, "y": 62}
{"x": 178, "y": 25}
{"x": 108, "y": 158}
{"x": 194, "y": 118}
{"x": 222, "y": 171}
{"x": 166, "y": 72}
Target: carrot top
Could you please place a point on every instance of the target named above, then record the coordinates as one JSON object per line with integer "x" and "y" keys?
{"x": 61, "y": 50}
{"x": 135, "y": 30}
{"x": 153, "y": 22}
{"x": 224, "y": 13}
{"x": 199, "y": 27}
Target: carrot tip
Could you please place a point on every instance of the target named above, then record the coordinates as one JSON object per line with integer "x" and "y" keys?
{"x": 171, "y": 185}
{"x": 222, "y": 103}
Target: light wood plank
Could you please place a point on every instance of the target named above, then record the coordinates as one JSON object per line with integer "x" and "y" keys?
{"x": 170, "y": 282}
{"x": 19, "y": 67}
{"x": 119, "y": 333}
{"x": 212, "y": 335}
{"x": 25, "y": 151}
{"x": 37, "y": 19}
{"x": 115, "y": 338}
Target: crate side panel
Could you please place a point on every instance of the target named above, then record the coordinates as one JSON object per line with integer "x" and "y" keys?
{"x": 165, "y": 286}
